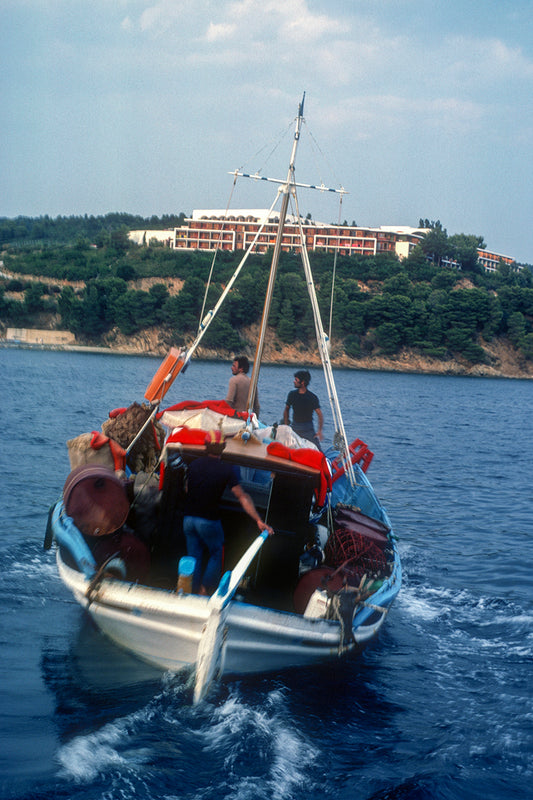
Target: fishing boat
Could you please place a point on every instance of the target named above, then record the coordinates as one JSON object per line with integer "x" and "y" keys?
{"x": 318, "y": 589}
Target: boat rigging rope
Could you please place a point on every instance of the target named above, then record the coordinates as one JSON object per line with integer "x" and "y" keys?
{"x": 343, "y": 606}
{"x": 211, "y": 314}
{"x": 341, "y": 194}
{"x": 113, "y": 567}
{"x": 334, "y": 273}
{"x": 276, "y": 142}
{"x": 217, "y": 248}
{"x": 330, "y": 169}
{"x": 322, "y": 341}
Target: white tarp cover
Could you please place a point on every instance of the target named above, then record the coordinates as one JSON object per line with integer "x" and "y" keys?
{"x": 208, "y": 420}
{"x": 202, "y": 418}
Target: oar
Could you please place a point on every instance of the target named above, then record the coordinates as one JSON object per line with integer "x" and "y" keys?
{"x": 212, "y": 639}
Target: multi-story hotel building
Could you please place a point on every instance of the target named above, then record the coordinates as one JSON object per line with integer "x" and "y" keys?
{"x": 490, "y": 261}
{"x": 211, "y": 229}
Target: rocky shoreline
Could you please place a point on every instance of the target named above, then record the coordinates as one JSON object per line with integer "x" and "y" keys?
{"x": 504, "y": 361}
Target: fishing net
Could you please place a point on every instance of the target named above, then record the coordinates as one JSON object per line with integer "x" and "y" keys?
{"x": 357, "y": 554}
{"x": 123, "y": 429}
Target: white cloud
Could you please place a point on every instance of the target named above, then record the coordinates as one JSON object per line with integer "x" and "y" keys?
{"x": 391, "y": 116}
{"x": 245, "y": 20}
{"x": 167, "y": 15}
{"x": 486, "y": 59}
{"x": 219, "y": 32}
{"x": 364, "y": 70}
{"x": 127, "y": 24}
{"x": 154, "y": 18}
{"x": 283, "y": 21}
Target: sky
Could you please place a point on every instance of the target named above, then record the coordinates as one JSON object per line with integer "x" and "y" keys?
{"x": 418, "y": 108}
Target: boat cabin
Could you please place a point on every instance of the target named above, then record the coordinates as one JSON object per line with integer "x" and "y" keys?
{"x": 283, "y": 492}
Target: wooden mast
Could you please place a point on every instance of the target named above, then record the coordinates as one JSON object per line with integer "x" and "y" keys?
{"x": 286, "y": 190}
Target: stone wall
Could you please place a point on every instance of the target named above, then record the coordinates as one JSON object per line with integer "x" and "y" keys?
{"x": 35, "y": 336}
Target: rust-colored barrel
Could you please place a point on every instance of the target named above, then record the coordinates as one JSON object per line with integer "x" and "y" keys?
{"x": 95, "y": 499}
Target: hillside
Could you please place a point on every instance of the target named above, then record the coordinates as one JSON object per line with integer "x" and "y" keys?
{"x": 407, "y": 317}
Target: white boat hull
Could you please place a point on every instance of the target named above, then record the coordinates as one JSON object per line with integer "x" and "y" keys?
{"x": 164, "y": 628}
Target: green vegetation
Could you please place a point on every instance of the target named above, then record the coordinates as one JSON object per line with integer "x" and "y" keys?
{"x": 461, "y": 247}
{"x": 28, "y": 231}
{"x": 381, "y": 305}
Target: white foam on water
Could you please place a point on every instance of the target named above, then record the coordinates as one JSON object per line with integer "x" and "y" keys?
{"x": 289, "y": 767}
{"x": 282, "y": 751}
{"x": 431, "y": 601}
{"x": 34, "y": 568}
{"x": 89, "y": 755}
{"x": 460, "y": 622}
{"x": 413, "y": 603}
{"x": 524, "y": 622}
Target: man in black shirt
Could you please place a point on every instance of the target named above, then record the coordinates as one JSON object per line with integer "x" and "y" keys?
{"x": 303, "y": 404}
{"x": 207, "y": 478}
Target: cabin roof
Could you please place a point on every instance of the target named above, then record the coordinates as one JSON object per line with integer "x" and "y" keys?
{"x": 251, "y": 454}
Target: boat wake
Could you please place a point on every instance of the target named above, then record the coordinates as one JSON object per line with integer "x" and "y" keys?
{"x": 489, "y": 622}
{"x": 88, "y": 756}
{"x": 477, "y": 643}
{"x": 245, "y": 751}
{"x": 244, "y": 735}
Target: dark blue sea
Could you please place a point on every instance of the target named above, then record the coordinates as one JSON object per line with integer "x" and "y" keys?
{"x": 439, "y": 707}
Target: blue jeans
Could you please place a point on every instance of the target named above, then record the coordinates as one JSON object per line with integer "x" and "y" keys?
{"x": 205, "y": 534}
